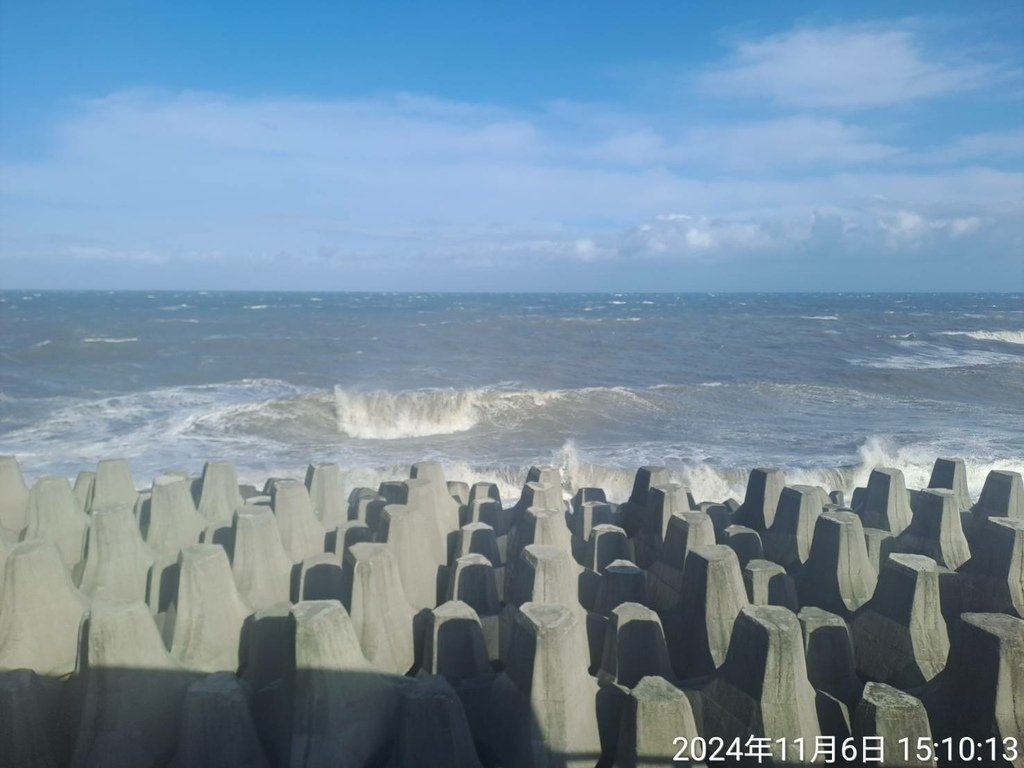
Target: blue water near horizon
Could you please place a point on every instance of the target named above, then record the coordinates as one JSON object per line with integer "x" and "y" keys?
{"x": 825, "y": 385}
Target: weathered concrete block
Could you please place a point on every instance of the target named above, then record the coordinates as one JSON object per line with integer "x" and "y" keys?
{"x": 117, "y": 561}
{"x": 327, "y": 493}
{"x": 935, "y": 530}
{"x": 209, "y": 613}
{"x": 260, "y": 566}
{"x": 994, "y": 577}
{"x": 344, "y": 710}
{"x": 40, "y": 611}
{"x": 886, "y": 501}
{"x": 301, "y": 533}
{"x": 218, "y": 495}
{"x": 788, "y": 540}
{"x": 621, "y": 582}
{"x": 745, "y": 542}
{"x": 655, "y": 714}
{"x": 321, "y": 577}
{"x": 634, "y": 646}
{"x": 380, "y": 611}
{"x": 838, "y": 576}
{"x": 952, "y": 474}
{"x": 899, "y": 635}
{"x": 546, "y": 677}
{"x": 169, "y": 520}
{"x": 53, "y": 514}
{"x": 712, "y": 596}
{"x": 768, "y": 583}
{"x": 828, "y": 651}
{"x": 454, "y": 646}
{"x": 665, "y": 576}
{"x": 405, "y": 529}
{"x": 113, "y": 485}
{"x": 978, "y": 695}
{"x": 1001, "y": 496}
{"x": 606, "y": 544}
{"x": 762, "y": 688}
{"x": 764, "y": 487}
{"x": 894, "y": 716}
{"x": 133, "y": 691}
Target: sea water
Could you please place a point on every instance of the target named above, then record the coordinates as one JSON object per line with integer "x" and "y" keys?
{"x": 826, "y": 386}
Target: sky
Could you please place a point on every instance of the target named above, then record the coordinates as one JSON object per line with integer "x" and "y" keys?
{"x": 477, "y": 146}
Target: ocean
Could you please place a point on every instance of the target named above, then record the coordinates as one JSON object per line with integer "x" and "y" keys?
{"x": 826, "y": 386}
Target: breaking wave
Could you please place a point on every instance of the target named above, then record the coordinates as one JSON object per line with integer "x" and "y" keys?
{"x": 385, "y": 415}
{"x": 1007, "y": 337}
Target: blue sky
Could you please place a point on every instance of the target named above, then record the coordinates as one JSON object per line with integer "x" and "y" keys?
{"x": 526, "y": 146}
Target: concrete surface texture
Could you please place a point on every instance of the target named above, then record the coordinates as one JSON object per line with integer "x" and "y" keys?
{"x": 424, "y": 622}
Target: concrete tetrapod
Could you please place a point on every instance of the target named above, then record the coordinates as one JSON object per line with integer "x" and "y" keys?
{"x": 606, "y": 544}
{"x": 542, "y": 691}
{"x": 886, "y": 501}
{"x": 13, "y": 495}
{"x": 445, "y": 508}
{"x": 768, "y": 583}
{"x": 633, "y": 513}
{"x": 764, "y": 487}
{"x": 699, "y": 628}
{"x": 1001, "y": 496}
{"x": 634, "y": 646}
{"x": 894, "y": 716}
{"x": 828, "y": 651}
{"x": 301, "y": 533}
{"x": 935, "y": 530}
{"x": 952, "y": 474}
{"x": 217, "y": 730}
{"x": 169, "y": 519}
{"x": 788, "y": 540}
{"x": 656, "y": 713}
{"x": 133, "y": 691}
{"x": 209, "y": 613}
{"x": 455, "y": 648}
{"x": 994, "y": 577}
{"x": 260, "y": 566}
{"x": 113, "y": 485}
{"x": 218, "y": 496}
{"x": 53, "y": 514}
{"x": 41, "y": 612}
{"x": 978, "y": 695}
{"x": 327, "y": 492}
{"x": 899, "y": 635}
{"x": 665, "y": 576}
{"x": 762, "y": 688}
{"x": 381, "y": 614}
{"x": 838, "y": 576}
{"x": 117, "y": 561}
{"x": 344, "y": 710}
{"x": 472, "y": 580}
{"x": 404, "y": 529}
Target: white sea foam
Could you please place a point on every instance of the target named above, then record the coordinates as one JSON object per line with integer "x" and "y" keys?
{"x": 1007, "y": 337}
{"x": 819, "y": 317}
{"x": 43, "y": 343}
{"x": 107, "y": 340}
{"x": 256, "y": 306}
{"x": 923, "y": 355}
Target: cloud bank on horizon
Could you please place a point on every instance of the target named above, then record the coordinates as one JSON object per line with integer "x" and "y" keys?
{"x": 820, "y": 154}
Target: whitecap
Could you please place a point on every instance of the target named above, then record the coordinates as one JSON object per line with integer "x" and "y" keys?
{"x": 1007, "y": 337}
{"x": 108, "y": 340}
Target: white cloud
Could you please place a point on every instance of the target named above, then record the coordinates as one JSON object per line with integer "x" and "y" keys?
{"x": 846, "y": 67}
{"x": 399, "y": 184}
